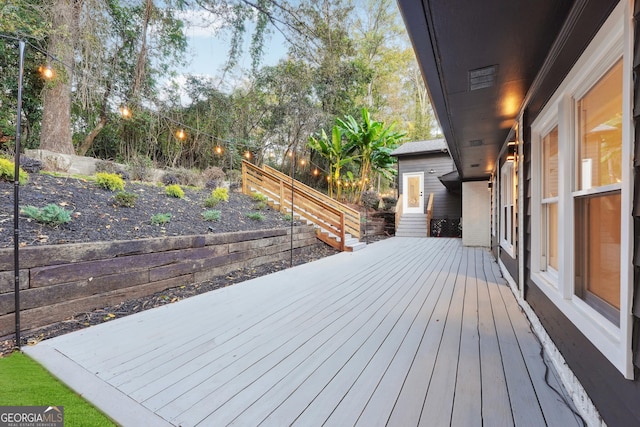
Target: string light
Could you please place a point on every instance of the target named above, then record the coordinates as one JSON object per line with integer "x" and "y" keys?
{"x": 247, "y": 155}
{"x": 125, "y": 112}
{"x": 218, "y": 149}
{"x": 46, "y": 72}
{"x": 302, "y": 162}
{"x": 315, "y": 172}
{"x": 180, "y": 134}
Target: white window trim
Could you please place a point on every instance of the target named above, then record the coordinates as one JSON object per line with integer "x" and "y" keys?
{"x": 507, "y": 185}
{"x": 614, "y": 40}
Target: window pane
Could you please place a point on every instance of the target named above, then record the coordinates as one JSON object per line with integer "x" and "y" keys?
{"x": 552, "y": 235}
{"x": 600, "y": 132}
{"x": 550, "y": 164}
{"x": 598, "y": 252}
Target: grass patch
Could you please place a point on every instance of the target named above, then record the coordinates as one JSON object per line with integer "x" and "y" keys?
{"x": 256, "y": 216}
{"x": 211, "y": 215}
{"x": 160, "y": 218}
{"x": 23, "y": 382}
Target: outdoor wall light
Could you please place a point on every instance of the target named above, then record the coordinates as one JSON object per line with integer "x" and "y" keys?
{"x": 432, "y": 171}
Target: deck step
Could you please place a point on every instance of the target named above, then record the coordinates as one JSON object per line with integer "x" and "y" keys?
{"x": 412, "y": 225}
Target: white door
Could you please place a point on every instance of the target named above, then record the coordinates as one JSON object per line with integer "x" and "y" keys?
{"x": 413, "y": 192}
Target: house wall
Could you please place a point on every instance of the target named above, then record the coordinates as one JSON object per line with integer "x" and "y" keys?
{"x": 615, "y": 397}
{"x": 445, "y": 203}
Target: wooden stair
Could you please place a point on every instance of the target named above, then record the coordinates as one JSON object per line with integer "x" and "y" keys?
{"x": 336, "y": 224}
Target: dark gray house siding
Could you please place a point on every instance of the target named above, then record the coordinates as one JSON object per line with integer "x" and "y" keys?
{"x": 445, "y": 204}
{"x": 615, "y": 397}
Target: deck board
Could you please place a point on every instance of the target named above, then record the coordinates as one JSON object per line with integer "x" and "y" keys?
{"x": 407, "y": 332}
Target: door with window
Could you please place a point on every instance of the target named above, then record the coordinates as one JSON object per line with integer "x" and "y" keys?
{"x": 413, "y": 192}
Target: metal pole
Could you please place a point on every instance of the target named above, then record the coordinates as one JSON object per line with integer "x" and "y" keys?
{"x": 16, "y": 197}
{"x": 293, "y": 159}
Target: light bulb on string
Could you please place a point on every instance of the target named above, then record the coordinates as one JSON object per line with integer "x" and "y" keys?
{"x": 125, "y": 112}
{"x": 303, "y": 162}
{"x": 315, "y": 172}
{"x": 247, "y": 155}
{"x": 180, "y": 134}
{"x": 218, "y": 150}
{"x": 46, "y": 72}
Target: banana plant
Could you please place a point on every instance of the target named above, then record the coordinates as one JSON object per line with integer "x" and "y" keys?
{"x": 370, "y": 143}
{"x": 334, "y": 150}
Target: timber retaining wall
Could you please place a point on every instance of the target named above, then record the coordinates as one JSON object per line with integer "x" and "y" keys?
{"x": 59, "y": 281}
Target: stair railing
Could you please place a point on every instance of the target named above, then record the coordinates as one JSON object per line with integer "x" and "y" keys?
{"x": 429, "y": 214}
{"x": 327, "y": 218}
{"x": 351, "y": 216}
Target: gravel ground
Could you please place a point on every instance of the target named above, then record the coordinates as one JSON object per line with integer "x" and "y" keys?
{"x": 95, "y": 217}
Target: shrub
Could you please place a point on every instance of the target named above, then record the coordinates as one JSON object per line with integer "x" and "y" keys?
{"x": 211, "y": 202}
{"x": 51, "y": 214}
{"x": 123, "y": 174}
{"x": 7, "y": 171}
{"x": 110, "y": 181}
{"x": 256, "y": 216}
{"x": 287, "y": 217}
{"x": 161, "y": 218}
{"x": 185, "y": 176}
{"x": 211, "y": 215}
{"x": 389, "y": 202}
{"x": 31, "y": 165}
{"x": 221, "y": 193}
{"x": 370, "y": 199}
{"x": 213, "y": 176}
{"x": 125, "y": 199}
{"x": 260, "y": 206}
{"x": 259, "y": 197}
{"x": 169, "y": 179}
{"x": 174, "y": 191}
{"x": 140, "y": 168}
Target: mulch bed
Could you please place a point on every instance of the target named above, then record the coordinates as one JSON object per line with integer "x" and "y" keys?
{"x": 96, "y": 218}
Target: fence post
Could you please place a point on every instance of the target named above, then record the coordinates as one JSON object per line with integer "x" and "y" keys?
{"x": 244, "y": 178}
{"x": 342, "y": 231}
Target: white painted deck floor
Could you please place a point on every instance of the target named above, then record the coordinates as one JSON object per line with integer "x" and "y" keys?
{"x": 408, "y": 332}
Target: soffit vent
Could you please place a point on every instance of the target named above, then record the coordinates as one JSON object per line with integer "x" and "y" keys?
{"x": 475, "y": 165}
{"x": 475, "y": 143}
{"x": 481, "y": 78}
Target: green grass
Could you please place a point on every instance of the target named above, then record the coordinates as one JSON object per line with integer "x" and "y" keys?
{"x": 25, "y": 383}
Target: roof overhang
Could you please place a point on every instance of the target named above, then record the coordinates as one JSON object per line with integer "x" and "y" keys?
{"x": 479, "y": 59}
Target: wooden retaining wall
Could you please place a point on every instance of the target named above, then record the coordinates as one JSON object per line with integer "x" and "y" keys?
{"x": 58, "y": 281}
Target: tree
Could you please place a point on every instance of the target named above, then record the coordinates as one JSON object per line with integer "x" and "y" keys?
{"x": 371, "y": 143}
{"x": 335, "y": 151}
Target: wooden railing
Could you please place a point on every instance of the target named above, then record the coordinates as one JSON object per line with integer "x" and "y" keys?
{"x": 327, "y": 218}
{"x": 398, "y": 210}
{"x": 429, "y": 214}
{"x": 351, "y": 216}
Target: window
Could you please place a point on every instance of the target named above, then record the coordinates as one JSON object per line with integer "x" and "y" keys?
{"x": 597, "y": 194}
{"x": 550, "y": 201}
{"x": 507, "y": 207}
{"x": 581, "y": 192}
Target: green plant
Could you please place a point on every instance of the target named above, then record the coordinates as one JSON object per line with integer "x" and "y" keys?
{"x": 211, "y": 202}
{"x": 260, "y": 206}
{"x": 7, "y": 172}
{"x": 110, "y": 181}
{"x": 25, "y": 383}
{"x": 125, "y": 199}
{"x": 221, "y": 193}
{"x": 51, "y": 214}
{"x": 161, "y": 218}
{"x": 287, "y": 217}
{"x": 256, "y": 216}
{"x": 174, "y": 190}
{"x": 211, "y": 215}
{"x": 259, "y": 197}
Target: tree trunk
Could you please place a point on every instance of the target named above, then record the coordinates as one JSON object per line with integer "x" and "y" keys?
{"x": 55, "y": 134}
{"x": 88, "y": 141}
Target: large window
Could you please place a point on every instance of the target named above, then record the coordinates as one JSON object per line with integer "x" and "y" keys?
{"x": 597, "y": 194}
{"x": 581, "y": 192}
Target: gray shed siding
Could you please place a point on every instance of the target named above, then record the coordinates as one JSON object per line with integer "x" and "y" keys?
{"x": 445, "y": 203}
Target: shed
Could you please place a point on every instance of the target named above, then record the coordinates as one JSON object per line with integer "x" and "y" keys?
{"x": 427, "y": 167}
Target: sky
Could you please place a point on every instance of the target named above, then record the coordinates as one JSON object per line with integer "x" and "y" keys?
{"x": 209, "y": 46}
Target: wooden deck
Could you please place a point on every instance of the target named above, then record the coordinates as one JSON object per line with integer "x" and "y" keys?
{"x": 409, "y": 332}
